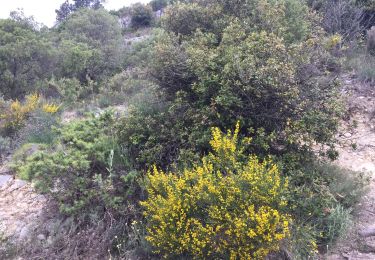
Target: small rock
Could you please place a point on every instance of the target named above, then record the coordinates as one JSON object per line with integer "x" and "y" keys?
{"x": 17, "y": 185}
{"x": 347, "y": 135}
{"x": 50, "y": 240}
{"x": 367, "y": 232}
{"x": 24, "y": 232}
{"x": 4, "y": 179}
{"x": 41, "y": 237}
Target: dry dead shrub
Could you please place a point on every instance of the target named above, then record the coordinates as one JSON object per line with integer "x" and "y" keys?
{"x": 94, "y": 237}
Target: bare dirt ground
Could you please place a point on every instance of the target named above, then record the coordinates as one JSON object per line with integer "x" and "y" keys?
{"x": 357, "y": 152}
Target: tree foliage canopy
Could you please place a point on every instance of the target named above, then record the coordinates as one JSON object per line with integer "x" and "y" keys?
{"x": 26, "y": 56}
{"x": 91, "y": 43}
{"x": 67, "y": 8}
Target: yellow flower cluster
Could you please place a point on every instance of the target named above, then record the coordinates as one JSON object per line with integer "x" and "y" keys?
{"x": 14, "y": 114}
{"x": 51, "y": 108}
{"x": 209, "y": 213}
{"x": 333, "y": 41}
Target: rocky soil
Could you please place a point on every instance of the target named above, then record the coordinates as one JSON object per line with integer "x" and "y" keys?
{"x": 357, "y": 152}
{"x": 19, "y": 205}
{"x": 20, "y": 211}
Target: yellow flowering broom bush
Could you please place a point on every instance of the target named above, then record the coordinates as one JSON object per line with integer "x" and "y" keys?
{"x": 230, "y": 206}
{"x": 50, "y": 108}
{"x": 14, "y": 114}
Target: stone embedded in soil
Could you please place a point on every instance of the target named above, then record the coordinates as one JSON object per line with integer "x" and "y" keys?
{"x": 367, "y": 232}
{"x": 368, "y": 246}
{"x": 25, "y": 231}
{"x": 4, "y": 179}
{"x": 347, "y": 135}
{"x": 17, "y": 185}
{"x": 41, "y": 237}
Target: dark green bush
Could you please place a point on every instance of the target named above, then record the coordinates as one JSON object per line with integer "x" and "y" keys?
{"x": 76, "y": 59}
{"x": 139, "y": 54}
{"x": 152, "y": 134}
{"x": 26, "y": 57}
{"x": 72, "y": 90}
{"x": 91, "y": 45}
{"x": 199, "y": 17}
{"x": 276, "y": 89}
{"x": 127, "y": 82}
{"x": 158, "y": 4}
{"x": 141, "y": 16}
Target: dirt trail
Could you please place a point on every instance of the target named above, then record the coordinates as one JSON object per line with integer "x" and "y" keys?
{"x": 361, "y": 104}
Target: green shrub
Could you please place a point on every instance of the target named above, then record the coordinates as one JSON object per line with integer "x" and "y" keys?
{"x": 169, "y": 144}
{"x": 23, "y": 152}
{"x": 319, "y": 194}
{"x": 127, "y": 82}
{"x": 158, "y": 4}
{"x": 199, "y": 17}
{"x": 270, "y": 86}
{"x": 8, "y": 249}
{"x": 108, "y": 99}
{"x": 91, "y": 45}
{"x": 75, "y": 59}
{"x": 302, "y": 243}
{"x": 275, "y": 76}
{"x": 141, "y": 16}
{"x": 230, "y": 206}
{"x": 139, "y": 55}
{"x": 70, "y": 89}
{"x": 347, "y": 186}
{"x": 26, "y": 57}
{"x": 290, "y": 18}
{"x": 338, "y": 222}
{"x": 82, "y": 171}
